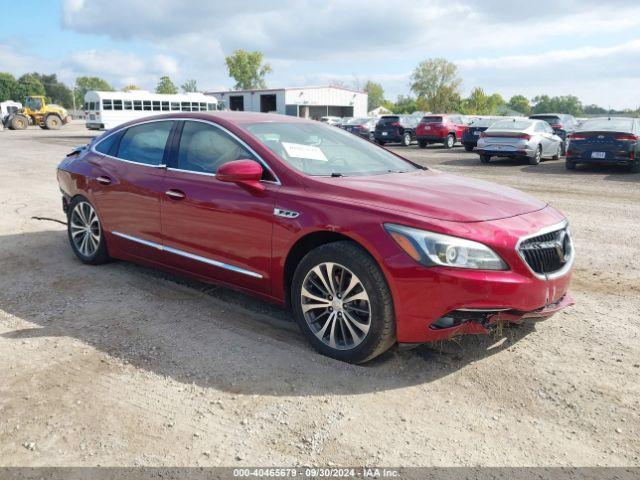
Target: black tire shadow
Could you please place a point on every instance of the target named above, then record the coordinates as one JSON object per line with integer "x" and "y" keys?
{"x": 199, "y": 333}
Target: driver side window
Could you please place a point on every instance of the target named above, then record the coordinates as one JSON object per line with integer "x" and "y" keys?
{"x": 203, "y": 148}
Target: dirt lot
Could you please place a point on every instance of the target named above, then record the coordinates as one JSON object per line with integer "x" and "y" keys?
{"x": 120, "y": 365}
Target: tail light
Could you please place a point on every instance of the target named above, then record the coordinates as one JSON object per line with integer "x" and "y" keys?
{"x": 627, "y": 137}
{"x": 569, "y": 153}
{"x": 576, "y": 136}
{"x": 557, "y": 126}
{"x": 632, "y": 155}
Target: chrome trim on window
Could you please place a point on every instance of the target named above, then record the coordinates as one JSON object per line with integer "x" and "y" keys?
{"x": 569, "y": 262}
{"x": 191, "y": 256}
{"x": 185, "y": 119}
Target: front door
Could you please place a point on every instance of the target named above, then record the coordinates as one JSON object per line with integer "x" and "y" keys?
{"x": 217, "y": 230}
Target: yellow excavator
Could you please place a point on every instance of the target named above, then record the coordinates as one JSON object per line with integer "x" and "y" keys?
{"x": 36, "y": 111}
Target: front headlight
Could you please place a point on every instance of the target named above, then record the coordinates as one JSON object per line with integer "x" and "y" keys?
{"x": 432, "y": 249}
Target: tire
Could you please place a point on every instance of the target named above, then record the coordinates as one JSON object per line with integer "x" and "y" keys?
{"x": 406, "y": 139}
{"x": 635, "y": 167}
{"x": 53, "y": 122}
{"x": 89, "y": 246}
{"x": 569, "y": 165}
{"x": 468, "y": 148}
{"x": 380, "y": 142}
{"x": 558, "y": 153}
{"x": 373, "y": 311}
{"x": 43, "y": 126}
{"x": 485, "y": 158}
{"x": 423, "y": 143}
{"x": 19, "y": 122}
{"x": 535, "y": 160}
{"x": 450, "y": 141}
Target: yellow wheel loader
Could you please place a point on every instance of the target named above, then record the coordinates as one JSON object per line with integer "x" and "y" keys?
{"x": 36, "y": 111}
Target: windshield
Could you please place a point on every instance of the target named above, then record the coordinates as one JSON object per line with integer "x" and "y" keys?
{"x": 315, "y": 149}
{"x": 608, "y": 124}
{"x": 510, "y": 125}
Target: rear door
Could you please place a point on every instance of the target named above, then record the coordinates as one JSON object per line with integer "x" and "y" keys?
{"x": 128, "y": 188}
{"x": 217, "y": 230}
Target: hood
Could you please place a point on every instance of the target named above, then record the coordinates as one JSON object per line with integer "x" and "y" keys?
{"x": 434, "y": 195}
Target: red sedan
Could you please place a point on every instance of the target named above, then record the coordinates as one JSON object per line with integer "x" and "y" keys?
{"x": 366, "y": 248}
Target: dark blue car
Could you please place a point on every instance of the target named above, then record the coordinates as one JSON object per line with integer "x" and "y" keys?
{"x": 605, "y": 140}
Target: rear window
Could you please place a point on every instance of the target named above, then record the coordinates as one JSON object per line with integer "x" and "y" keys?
{"x": 432, "y": 119}
{"x": 550, "y": 119}
{"x": 510, "y": 125}
{"x": 384, "y": 120}
{"x": 608, "y": 124}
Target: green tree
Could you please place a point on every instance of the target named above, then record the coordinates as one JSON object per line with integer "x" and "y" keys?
{"x": 477, "y": 103}
{"x": 84, "y": 84}
{"x": 56, "y": 91}
{"x": 520, "y": 103}
{"x": 29, "y": 84}
{"x": 129, "y": 88}
{"x": 165, "y": 85}
{"x": 564, "y": 104}
{"x": 8, "y": 87}
{"x": 247, "y": 70}
{"x": 404, "y": 105}
{"x": 594, "y": 110}
{"x": 376, "y": 94}
{"x": 189, "y": 85}
{"x": 436, "y": 82}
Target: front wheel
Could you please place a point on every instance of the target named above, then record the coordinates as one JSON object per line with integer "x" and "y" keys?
{"x": 537, "y": 156}
{"x": 342, "y": 303}
{"x": 19, "y": 122}
{"x": 85, "y": 232}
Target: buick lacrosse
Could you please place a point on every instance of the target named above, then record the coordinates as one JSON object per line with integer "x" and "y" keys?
{"x": 367, "y": 248}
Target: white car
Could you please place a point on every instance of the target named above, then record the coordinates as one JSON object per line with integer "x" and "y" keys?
{"x": 331, "y": 120}
{"x": 530, "y": 139}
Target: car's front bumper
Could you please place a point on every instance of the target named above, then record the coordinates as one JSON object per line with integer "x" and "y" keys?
{"x": 481, "y": 298}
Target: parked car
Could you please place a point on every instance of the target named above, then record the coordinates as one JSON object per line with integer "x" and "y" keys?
{"x": 605, "y": 140}
{"x": 367, "y": 248}
{"x": 445, "y": 129}
{"x": 472, "y": 132}
{"x": 364, "y": 126}
{"x": 561, "y": 123}
{"x": 530, "y": 139}
{"x": 395, "y": 129}
{"x": 331, "y": 120}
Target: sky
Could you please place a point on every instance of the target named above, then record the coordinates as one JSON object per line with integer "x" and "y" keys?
{"x": 587, "y": 48}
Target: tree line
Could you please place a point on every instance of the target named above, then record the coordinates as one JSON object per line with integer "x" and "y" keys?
{"x": 55, "y": 91}
{"x": 434, "y": 85}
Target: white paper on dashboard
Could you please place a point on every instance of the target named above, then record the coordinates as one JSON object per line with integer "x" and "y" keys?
{"x": 299, "y": 150}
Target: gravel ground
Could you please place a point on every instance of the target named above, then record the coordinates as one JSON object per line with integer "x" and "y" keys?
{"x": 121, "y": 365}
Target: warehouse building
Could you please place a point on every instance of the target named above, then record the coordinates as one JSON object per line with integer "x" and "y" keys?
{"x": 305, "y": 102}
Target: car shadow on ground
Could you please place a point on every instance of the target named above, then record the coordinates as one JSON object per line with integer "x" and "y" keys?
{"x": 196, "y": 333}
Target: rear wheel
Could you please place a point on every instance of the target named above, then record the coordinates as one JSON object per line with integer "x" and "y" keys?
{"x": 85, "y": 232}
{"x": 53, "y": 122}
{"x": 342, "y": 303}
{"x": 19, "y": 122}
{"x": 569, "y": 165}
{"x": 558, "y": 152}
{"x": 537, "y": 156}
{"x": 406, "y": 139}
{"x": 468, "y": 148}
{"x": 423, "y": 143}
{"x": 485, "y": 158}
{"x": 635, "y": 167}
{"x": 450, "y": 141}
{"x": 380, "y": 142}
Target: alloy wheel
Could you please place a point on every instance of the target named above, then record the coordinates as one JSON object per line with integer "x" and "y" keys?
{"x": 336, "y": 306}
{"x": 85, "y": 229}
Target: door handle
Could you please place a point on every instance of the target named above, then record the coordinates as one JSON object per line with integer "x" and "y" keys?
{"x": 103, "y": 180}
{"x": 175, "y": 194}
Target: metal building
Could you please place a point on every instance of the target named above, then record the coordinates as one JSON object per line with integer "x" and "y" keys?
{"x": 306, "y": 102}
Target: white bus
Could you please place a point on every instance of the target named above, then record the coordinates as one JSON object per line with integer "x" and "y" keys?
{"x": 105, "y": 110}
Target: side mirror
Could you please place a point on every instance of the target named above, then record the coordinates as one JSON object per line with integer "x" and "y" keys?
{"x": 242, "y": 172}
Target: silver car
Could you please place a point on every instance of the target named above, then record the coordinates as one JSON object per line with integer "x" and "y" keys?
{"x": 531, "y": 139}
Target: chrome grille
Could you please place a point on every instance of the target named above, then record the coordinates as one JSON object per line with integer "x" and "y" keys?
{"x": 548, "y": 252}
